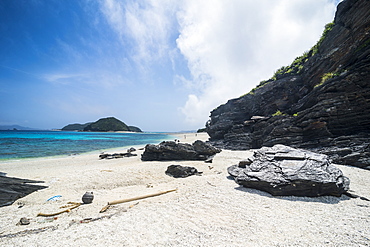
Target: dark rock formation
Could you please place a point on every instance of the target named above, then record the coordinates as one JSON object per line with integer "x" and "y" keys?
{"x": 321, "y": 102}
{"x": 178, "y": 171}
{"x": 11, "y": 189}
{"x": 285, "y": 171}
{"x": 116, "y": 155}
{"x": 170, "y": 150}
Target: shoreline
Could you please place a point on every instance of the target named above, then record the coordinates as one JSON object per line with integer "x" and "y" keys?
{"x": 206, "y": 210}
{"x": 172, "y": 136}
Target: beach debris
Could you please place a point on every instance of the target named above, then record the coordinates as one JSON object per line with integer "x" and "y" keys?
{"x": 170, "y": 150}
{"x": 25, "y": 232}
{"x": 23, "y": 221}
{"x": 133, "y": 205}
{"x": 284, "y": 171}
{"x": 116, "y": 155}
{"x": 210, "y": 159}
{"x": 90, "y": 219}
{"x": 46, "y": 219}
{"x": 88, "y": 197}
{"x": 178, "y": 171}
{"x": 12, "y": 189}
{"x": 105, "y": 208}
{"x": 54, "y": 198}
{"x": 211, "y": 184}
{"x": 352, "y": 195}
{"x": 68, "y": 209}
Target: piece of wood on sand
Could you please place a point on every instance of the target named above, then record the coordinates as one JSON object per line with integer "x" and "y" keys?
{"x": 134, "y": 199}
{"x": 69, "y": 208}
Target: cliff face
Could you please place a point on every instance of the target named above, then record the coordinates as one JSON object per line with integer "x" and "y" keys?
{"x": 321, "y": 102}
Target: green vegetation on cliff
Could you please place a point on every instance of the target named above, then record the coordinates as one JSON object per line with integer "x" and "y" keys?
{"x": 297, "y": 65}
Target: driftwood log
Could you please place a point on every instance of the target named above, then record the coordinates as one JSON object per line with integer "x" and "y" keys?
{"x": 134, "y": 199}
{"x": 11, "y": 189}
{"x": 72, "y": 205}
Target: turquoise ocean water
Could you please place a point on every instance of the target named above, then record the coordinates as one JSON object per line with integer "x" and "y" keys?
{"x": 32, "y": 144}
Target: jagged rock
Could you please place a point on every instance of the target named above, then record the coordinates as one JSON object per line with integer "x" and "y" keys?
{"x": 170, "y": 150}
{"x": 178, "y": 171}
{"x": 203, "y": 148}
{"x": 11, "y": 189}
{"x": 285, "y": 171}
{"x": 302, "y": 110}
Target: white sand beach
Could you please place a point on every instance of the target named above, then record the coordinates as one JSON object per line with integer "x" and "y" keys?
{"x": 207, "y": 210}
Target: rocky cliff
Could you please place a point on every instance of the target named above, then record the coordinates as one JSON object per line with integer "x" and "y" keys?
{"x": 320, "y": 102}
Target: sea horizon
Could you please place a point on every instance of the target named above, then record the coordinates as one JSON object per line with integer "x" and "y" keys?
{"x": 23, "y": 144}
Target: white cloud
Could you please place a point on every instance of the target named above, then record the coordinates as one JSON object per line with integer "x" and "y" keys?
{"x": 198, "y": 107}
{"x": 62, "y": 78}
{"x": 114, "y": 13}
{"x": 229, "y": 46}
{"x": 147, "y": 24}
{"x": 99, "y": 79}
{"x": 232, "y": 45}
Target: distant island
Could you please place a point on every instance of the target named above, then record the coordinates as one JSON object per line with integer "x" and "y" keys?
{"x": 102, "y": 125}
{"x": 15, "y": 127}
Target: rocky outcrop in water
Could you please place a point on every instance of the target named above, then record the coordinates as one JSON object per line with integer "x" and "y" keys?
{"x": 320, "y": 102}
{"x": 102, "y": 125}
{"x": 285, "y": 171}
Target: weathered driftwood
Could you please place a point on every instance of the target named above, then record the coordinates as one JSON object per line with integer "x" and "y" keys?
{"x": 134, "y": 199}
{"x": 69, "y": 208}
{"x": 11, "y": 189}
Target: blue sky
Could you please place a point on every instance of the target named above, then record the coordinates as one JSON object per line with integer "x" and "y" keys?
{"x": 161, "y": 65}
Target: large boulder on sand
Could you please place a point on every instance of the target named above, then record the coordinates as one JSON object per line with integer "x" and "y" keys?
{"x": 170, "y": 150}
{"x": 178, "y": 171}
{"x": 283, "y": 171}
